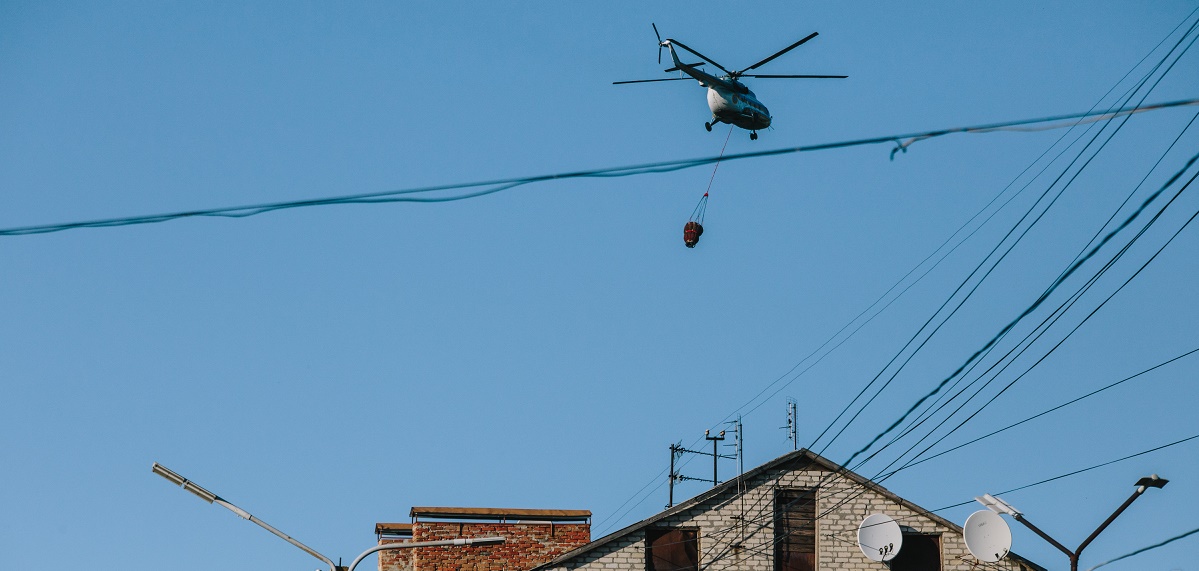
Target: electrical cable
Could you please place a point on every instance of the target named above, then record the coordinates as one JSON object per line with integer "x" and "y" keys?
{"x": 1048, "y": 322}
{"x": 398, "y": 196}
{"x": 1054, "y": 316}
{"x": 1031, "y": 308}
{"x": 1092, "y": 313}
{"x": 1147, "y": 548}
{"x": 1047, "y": 411}
{"x": 1142, "y": 82}
{"x": 1010, "y": 248}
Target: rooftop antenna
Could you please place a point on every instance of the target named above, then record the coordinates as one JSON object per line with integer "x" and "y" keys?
{"x": 792, "y": 419}
{"x": 739, "y": 440}
{"x": 715, "y": 440}
{"x": 738, "y": 444}
{"x": 677, "y": 450}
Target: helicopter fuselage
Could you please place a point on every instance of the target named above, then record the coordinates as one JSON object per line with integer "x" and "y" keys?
{"x": 737, "y": 107}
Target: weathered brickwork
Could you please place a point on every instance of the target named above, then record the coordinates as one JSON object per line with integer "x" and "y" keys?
{"x": 528, "y": 545}
{"x": 736, "y": 531}
{"x": 395, "y": 559}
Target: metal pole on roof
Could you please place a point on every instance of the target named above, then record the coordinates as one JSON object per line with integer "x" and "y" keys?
{"x": 715, "y": 453}
{"x": 792, "y": 420}
{"x": 674, "y": 451}
{"x": 212, "y": 498}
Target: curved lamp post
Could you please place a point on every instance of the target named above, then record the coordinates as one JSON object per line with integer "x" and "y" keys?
{"x": 212, "y": 498}
{"x": 999, "y": 506}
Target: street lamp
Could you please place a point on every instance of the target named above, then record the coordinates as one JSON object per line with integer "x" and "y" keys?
{"x": 999, "y": 506}
{"x": 212, "y": 498}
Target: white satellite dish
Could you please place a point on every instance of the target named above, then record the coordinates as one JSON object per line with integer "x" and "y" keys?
{"x": 987, "y": 536}
{"x": 879, "y": 537}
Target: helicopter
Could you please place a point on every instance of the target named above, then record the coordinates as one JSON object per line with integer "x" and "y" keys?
{"x": 730, "y": 100}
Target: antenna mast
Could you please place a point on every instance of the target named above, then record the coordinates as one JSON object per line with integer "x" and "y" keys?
{"x": 677, "y": 450}
{"x": 792, "y": 420}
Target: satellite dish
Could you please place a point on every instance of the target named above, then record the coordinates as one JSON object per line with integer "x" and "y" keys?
{"x": 987, "y": 536}
{"x": 879, "y": 537}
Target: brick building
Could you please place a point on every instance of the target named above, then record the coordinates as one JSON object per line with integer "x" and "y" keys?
{"x": 533, "y": 537}
{"x": 799, "y": 512}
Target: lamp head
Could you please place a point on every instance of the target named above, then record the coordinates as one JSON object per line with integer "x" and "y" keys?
{"x": 184, "y": 482}
{"x": 997, "y": 505}
{"x": 1152, "y": 482}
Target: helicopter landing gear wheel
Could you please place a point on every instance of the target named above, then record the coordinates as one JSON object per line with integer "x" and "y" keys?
{"x": 708, "y": 126}
{"x": 753, "y": 136}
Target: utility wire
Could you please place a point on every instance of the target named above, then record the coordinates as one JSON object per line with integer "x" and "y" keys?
{"x": 1144, "y": 549}
{"x": 1043, "y": 327}
{"x": 1055, "y": 316}
{"x": 1091, "y": 314}
{"x": 1031, "y": 308}
{"x": 995, "y": 264}
{"x": 491, "y": 187}
{"x": 1047, "y": 411}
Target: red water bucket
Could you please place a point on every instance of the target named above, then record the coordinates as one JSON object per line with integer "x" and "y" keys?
{"x": 691, "y": 233}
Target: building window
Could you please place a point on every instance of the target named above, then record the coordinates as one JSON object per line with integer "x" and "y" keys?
{"x": 672, "y": 550}
{"x": 795, "y": 529}
{"x": 920, "y": 552}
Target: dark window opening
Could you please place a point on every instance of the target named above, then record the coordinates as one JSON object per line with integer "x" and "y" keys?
{"x": 795, "y": 529}
{"x": 672, "y": 550}
{"x": 919, "y": 552}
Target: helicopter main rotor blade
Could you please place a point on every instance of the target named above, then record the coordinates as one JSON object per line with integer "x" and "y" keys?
{"x": 783, "y": 51}
{"x": 651, "y": 80}
{"x": 798, "y": 76}
{"x": 699, "y": 55}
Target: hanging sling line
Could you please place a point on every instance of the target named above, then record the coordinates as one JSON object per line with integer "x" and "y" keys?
{"x": 695, "y": 225}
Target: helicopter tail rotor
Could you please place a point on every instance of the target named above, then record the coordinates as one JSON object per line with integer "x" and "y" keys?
{"x": 659, "y": 42}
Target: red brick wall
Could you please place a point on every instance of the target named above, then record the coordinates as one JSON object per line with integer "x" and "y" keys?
{"x": 528, "y": 545}
{"x": 395, "y": 559}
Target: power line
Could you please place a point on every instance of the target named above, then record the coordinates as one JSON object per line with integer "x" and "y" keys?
{"x": 1144, "y": 549}
{"x": 995, "y": 264}
{"x": 1092, "y": 313}
{"x": 1031, "y": 308}
{"x": 1051, "y": 319}
{"x": 1047, "y": 411}
{"x": 1043, "y": 327}
{"x": 491, "y": 187}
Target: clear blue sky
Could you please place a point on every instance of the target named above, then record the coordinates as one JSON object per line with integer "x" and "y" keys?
{"x": 328, "y": 368}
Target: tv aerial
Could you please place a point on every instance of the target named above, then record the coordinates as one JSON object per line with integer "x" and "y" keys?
{"x": 879, "y": 537}
{"x": 988, "y": 537}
